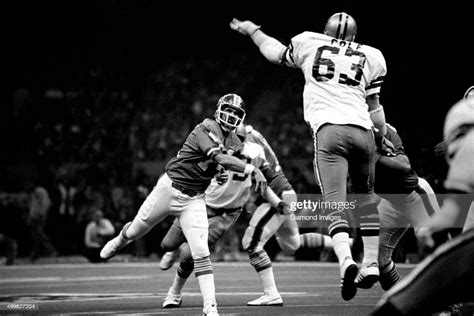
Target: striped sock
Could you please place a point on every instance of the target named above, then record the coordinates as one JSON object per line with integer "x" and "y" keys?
{"x": 261, "y": 262}
{"x": 205, "y": 276}
{"x": 315, "y": 240}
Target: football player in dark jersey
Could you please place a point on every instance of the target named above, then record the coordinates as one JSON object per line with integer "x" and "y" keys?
{"x": 180, "y": 190}
{"x": 445, "y": 277}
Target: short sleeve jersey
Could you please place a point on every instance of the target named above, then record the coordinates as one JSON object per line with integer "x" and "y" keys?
{"x": 339, "y": 75}
{"x": 194, "y": 167}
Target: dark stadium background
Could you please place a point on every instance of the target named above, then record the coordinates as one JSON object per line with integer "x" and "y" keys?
{"x": 62, "y": 44}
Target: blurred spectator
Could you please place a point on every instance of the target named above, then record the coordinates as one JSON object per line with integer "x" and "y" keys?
{"x": 63, "y": 213}
{"x": 39, "y": 206}
{"x": 98, "y": 231}
{"x": 9, "y": 247}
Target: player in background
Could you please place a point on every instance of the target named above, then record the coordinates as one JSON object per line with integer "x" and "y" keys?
{"x": 224, "y": 202}
{"x": 406, "y": 200}
{"x": 340, "y": 98}
{"x": 445, "y": 277}
{"x": 266, "y": 222}
{"x": 180, "y": 190}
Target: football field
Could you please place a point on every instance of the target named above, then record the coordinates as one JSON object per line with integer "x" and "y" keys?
{"x": 307, "y": 288}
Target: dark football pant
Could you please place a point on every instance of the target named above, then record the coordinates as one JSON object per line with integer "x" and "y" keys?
{"x": 443, "y": 278}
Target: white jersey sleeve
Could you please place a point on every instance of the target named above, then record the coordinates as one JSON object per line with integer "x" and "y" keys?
{"x": 339, "y": 75}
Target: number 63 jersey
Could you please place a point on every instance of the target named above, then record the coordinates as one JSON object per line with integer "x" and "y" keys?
{"x": 339, "y": 75}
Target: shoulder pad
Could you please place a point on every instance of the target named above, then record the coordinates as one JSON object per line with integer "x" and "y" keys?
{"x": 213, "y": 129}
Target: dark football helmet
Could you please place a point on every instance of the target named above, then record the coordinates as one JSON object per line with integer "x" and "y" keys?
{"x": 230, "y": 111}
{"x": 341, "y": 26}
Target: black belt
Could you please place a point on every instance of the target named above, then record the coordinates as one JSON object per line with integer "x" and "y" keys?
{"x": 184, "y": 190}
{"x": 224, "y": 210}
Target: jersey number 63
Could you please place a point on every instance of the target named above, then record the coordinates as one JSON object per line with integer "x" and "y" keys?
{"x": 330, "y": 65}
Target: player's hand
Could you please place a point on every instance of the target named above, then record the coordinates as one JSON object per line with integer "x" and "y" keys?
{"x": 222, "y": 177}
{"x": 385, "y": 147}
{"x": 260, "y": 181}
{"x": 243, "y": 27}
{"x": 283, "y": 208}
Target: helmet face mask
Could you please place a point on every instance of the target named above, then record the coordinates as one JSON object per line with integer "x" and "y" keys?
{"x": 341, "y": 26}
{"x": 230, "y": 112}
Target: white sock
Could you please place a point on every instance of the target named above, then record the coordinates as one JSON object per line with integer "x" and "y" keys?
{"x": 208, "y": 290}
{"x": 268, "y": 281}
{"x": 371, "y": 249}
{"x": 177, "y": 286}
{"x": 341, "y": 246}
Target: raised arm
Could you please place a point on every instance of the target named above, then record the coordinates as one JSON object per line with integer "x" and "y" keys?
{"x": 272, "y": 49}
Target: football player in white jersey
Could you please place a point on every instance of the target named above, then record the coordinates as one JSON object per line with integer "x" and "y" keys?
{"x": 446, "y": 276}
{"x": 341, "y": 105}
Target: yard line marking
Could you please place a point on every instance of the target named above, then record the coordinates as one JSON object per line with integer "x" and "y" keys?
{"x": 110, "y": 265}
{"x": 74, "y": 279}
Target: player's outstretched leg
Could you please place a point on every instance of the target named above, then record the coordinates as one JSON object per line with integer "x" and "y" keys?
{"x": 114, "y": 245}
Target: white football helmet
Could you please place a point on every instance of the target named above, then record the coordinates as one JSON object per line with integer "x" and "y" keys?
{"x": 341, "y": 26}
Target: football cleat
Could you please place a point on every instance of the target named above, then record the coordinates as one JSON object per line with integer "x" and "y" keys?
{"x": 348, "y": 287}
{"x": 113, "y": 246}
{"x": 172, "y": 301}
{"x": 168, "y": 259}
{"x": 210, "y": 310}
{"x": 389, "y": 277}
{"x": 267, "y": 300}
{"x": 368, "y": 276}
